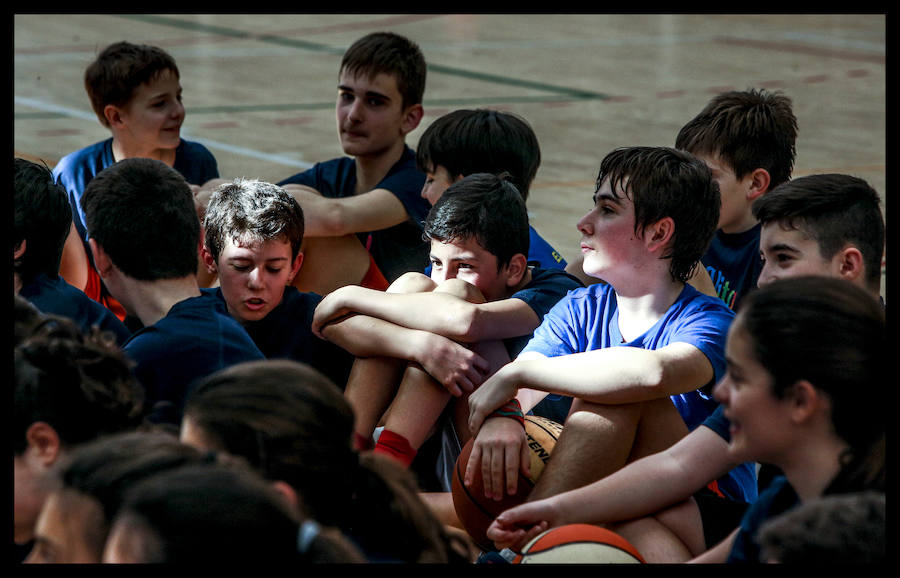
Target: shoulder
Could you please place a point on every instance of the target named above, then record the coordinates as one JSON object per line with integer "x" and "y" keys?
{"x": 333, "y": 172}
{"x": 90, "y": 159}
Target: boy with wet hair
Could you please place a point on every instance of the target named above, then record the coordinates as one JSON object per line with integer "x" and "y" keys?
{"x": 747, "y": 138}
{"x": 253, "y": 234}
{"x": 464, "y": 142}
{"x": 427, "y": 340}
{"x": 659, "y": 343}
{"x": 41, "y": 223}
{"x": 135, "y": 91}
{"x": 145, "y": 239}
{"x": 366, "y": 206}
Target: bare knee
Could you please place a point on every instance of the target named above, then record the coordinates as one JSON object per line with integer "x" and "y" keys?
{"x": 462, "y": 289}
{"x": 412, "y": 282}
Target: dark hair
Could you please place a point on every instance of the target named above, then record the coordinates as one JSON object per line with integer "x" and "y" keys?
{"x": 485, "y": 207}
{"x": 80, "y": 384}
{"x": 665, "y": 182}
{"x": 833, "y": 210}
{"x": 106, "y": 468}
{"x": 42, "y": 219}
{"x": 747, "y": 129}
{"x": 830, "y": 333}
{"x": 252, "y": 210}
{"x": 119, "y": 70}
{"x": 212, "y": 513}
{"x": 25, "y": 318}
{"x": 481, "y": 141}
{"x": 142, "y": 212}
{"x": 291, "y": 423}
{"x": 391, "y": 54}
{"x": 837, "y": 529}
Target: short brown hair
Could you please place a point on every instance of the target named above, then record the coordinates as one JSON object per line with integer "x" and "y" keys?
{"x": 119, "y": 69}
{"x": 392, "y": 54}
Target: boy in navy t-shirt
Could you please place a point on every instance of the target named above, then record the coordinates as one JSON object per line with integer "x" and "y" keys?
{"x": 144, "y": 238}
{"x": 423, "y": 345}
{"x": 42, "y": 219}
{"x": 135, "y": 92}
{"x": 253, "y": 233}
{"x": 363, "y": 210}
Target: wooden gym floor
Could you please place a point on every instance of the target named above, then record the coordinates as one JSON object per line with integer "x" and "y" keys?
{"x": 259, "y": 89}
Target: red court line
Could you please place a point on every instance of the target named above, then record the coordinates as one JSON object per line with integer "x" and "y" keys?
{"x": 802, "y": 49}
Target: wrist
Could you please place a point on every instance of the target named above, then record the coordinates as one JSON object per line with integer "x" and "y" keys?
{"x": 511, "y": 409}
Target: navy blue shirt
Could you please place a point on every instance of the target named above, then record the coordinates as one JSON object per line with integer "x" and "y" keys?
{"x": 777, "y": 499}
{"x": 57, "y": 297}
{"x": 196, "y": 338}
{"x": 285, "y": 334}
{"x": 398, "y": 249}
{"x": 734, "y": 264}
{"x": 75, "y": 170}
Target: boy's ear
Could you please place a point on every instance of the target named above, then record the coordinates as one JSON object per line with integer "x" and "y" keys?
{"x": 516, "y": 269}
{"x": 19, "y": 250}
{"x": 101, "y": 260}
{"x": 295, "y": 266}
{"x": 44, "y": 442}
{"x": 658, "y": 235}
{"x": 850, "y": 264}
{"x": 287, "y": 492}
{"x": 759, "y": 184}
{"x": 208, "y": 259}
{"x": 113, "y": 115}
{"x": 412, "y": 116}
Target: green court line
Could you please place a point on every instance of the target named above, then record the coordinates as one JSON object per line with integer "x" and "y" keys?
{"x": 317, "y": 47}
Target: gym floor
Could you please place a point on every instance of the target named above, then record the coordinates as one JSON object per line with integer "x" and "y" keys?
{"x": 260, "y": 89}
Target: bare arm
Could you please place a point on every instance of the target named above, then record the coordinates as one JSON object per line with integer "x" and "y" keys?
{"x": 456, "y": 367}
{"x": 334, "y": 217}
{"x": 433, "y": 311}
{"x": 611, "y": 375}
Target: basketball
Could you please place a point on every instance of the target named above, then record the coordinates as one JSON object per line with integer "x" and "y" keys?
{"x": 579, "y": 544}
{"x": 474, "y": 510}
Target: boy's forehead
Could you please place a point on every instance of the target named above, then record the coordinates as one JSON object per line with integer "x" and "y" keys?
{"x": 365, "y": 81}
{"x": 247, "y": 242}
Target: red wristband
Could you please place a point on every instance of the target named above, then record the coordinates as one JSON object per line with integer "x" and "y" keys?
{"x": 511, "y": 409}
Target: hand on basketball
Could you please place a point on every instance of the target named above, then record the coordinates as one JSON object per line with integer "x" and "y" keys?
{"x": 457, "y": 368}
{"x": 500, "y": 450}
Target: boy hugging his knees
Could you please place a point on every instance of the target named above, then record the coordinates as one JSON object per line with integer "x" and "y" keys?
{"x": 426, "y": 343}
{"x": 252, "y": 239}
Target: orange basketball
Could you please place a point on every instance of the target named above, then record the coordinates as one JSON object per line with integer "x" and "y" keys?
{"x": 474, "y": 510}
{"x": 579, "y": 544}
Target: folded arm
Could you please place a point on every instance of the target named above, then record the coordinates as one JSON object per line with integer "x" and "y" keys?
{"x": 334, "y": 217}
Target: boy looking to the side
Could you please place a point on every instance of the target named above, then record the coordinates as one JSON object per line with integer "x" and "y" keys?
{"x": 476, "y": 312}
{"x": 638, "y": 353}
{"x": 253, "y": 233}
{"x": 42, "y": 220}
{"x": 145, "y": 239}
{"x": 366, "y": 206}
{"x": 135, "y": 91}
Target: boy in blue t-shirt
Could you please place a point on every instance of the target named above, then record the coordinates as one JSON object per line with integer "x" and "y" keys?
{"x": 253, "y": 233}
{"x": 639, "y": 353}
{"x": 144, "y": 238}
{"x": 423, "y": 345}
{"x": 135, "y": 92}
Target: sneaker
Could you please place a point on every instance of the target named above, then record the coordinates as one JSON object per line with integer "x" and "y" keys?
{"x": 504, "y": 556}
